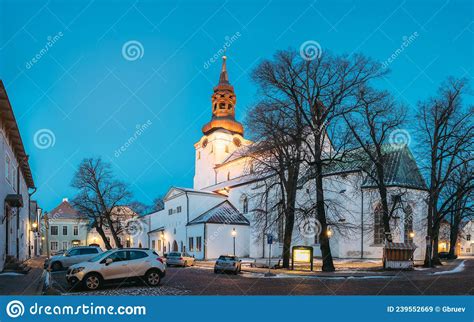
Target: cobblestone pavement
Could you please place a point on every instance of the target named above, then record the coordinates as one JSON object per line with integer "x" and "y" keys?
{"x": 203, "y": 281}
{"x": 24, "y": 284}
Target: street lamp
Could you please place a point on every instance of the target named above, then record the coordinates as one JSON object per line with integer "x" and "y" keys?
{"x": 234, "y": 234}
{"x": 329, "y": 233}
{"x": 34, "y": 225}
{"x": 412, "y": 234}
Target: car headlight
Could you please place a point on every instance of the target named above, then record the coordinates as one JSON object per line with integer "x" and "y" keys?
{"x": 77, "y": 270}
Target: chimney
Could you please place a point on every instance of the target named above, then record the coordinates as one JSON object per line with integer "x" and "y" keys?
{"x": 65, "y": 200}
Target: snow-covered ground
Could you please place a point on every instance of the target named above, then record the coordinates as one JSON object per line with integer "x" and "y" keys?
{"x": 455, "y": 270}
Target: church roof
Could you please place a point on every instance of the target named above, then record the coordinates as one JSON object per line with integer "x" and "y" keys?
{"x": 401, "y": 169}
{"x": 224, "y": 213}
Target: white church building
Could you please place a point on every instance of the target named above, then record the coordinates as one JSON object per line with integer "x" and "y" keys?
{"x": 208, "y": 219}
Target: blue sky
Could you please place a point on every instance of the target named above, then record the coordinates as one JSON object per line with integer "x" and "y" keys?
{"x": 84, "y": 91}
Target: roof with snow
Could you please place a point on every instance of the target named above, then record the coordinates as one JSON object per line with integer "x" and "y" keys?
{"x": 224, "y": 213}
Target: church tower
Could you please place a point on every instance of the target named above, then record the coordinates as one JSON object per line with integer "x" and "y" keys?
{"x": 222, "y": 135}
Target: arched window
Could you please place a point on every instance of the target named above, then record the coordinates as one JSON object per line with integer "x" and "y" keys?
{"x": 408, "y": 224}
{"x": 245, "y": 204}
{"x": 378, "y": 225}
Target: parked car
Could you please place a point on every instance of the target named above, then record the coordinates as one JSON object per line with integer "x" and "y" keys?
{"x": 118, "y": 264}
{"x": 179, "y": 259}
{"x": 228, "y": 263}
{"x": 72, "y": 256}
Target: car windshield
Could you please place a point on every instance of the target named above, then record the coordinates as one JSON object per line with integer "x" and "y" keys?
{"x": 100, "y": 256}
{"x": 227, "y": 258}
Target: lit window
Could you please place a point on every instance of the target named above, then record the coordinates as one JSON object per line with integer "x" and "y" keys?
{"x": 408, "y": 225}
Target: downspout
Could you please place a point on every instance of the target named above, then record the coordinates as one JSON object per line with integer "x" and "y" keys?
{"x": 361, "y": 223}
{"x": 187, "y": 219}
{"x": 205, "y": 242}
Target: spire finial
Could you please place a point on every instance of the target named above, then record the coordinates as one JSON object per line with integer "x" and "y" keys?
{"x": 224, "y": 78}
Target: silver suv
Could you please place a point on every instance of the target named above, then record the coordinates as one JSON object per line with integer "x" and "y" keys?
{"x": 118, "y": 264}
{"x": 72, "y": 256}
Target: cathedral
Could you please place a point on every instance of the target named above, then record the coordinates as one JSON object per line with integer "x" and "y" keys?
{"x": 216, "y": 216}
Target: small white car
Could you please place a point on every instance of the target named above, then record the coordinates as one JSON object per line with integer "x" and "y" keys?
{"x": 72, "y": 256}
{"x": 179, "y": 259}
{"x": 118, "y": 264}
{"x": 228, "y": 263}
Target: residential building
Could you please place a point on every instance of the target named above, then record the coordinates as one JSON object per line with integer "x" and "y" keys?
{"x": 16, "y": 187}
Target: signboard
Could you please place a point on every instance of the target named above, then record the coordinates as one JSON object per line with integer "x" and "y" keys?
{"x": 269, "y": 239}
{"x": 302, "y": 254}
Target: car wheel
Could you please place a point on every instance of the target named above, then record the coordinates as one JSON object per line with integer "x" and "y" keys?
{"x": 56, "y": 266}
{"x": 153, "y": 278}
{"x": 92, "y": 282}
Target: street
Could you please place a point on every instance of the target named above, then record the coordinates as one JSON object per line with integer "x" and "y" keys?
{"x": 202, "y": 281}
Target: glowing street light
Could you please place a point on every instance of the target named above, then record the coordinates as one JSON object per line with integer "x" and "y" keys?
{"x": 234, "y": 234}
{"x": 411, "y": 234}
{"x": 329, "y": 233}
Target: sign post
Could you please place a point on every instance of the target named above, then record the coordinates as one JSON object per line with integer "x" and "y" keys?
{"x": 269, "y": 242}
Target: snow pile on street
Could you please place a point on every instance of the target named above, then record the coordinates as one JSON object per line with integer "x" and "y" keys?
{"x": 155, "y": 291}
{"x": 458, "y": 269}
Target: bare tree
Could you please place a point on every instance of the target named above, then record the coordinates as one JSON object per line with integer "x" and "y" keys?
{"x": 276, "y": 159}
{"x": 98, "y": 197}
{"x": 322, "y": 89}
{"x": 371, "y": 122}
{"x": 447, "y": 137}
{"x": 459, "y": 195}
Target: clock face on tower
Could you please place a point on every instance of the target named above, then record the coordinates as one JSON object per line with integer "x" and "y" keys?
{"x": 237, "y": 142}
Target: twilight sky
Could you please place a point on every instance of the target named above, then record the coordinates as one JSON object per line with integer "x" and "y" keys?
{"x": 78, "y": 92}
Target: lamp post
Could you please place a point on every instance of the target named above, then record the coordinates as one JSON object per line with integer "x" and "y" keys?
{"x": 234, "y": 234}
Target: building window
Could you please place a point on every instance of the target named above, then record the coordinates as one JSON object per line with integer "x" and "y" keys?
{"x": 7, "y": 167}
{"x": 54, "y": 230}
{"x": 245, "y": 205}
{"x": 181, "y": 246}
{"x": 65, "y": 245}
{"x": 191, "y": 244}
{"x": 170, "y": 211}
{"x": 178, "y": 209}
{"x": 159, "y": 245}
{"x": 228, "y": 175}
{"x": 64, "y": 230}
{"x": 127, "y": 243}
{"x": 198, "y": 244}
{"x": 378, "y": 225}
{"x": 408, "y": 225}
{"x": 153, "y": 244}
{"x": 75, "y": 230}
{"x": 226, "y": 149}
{"x": 54, "y": 246}
{"x": 468, "y": 237}
{"x": 199, "y": 155}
